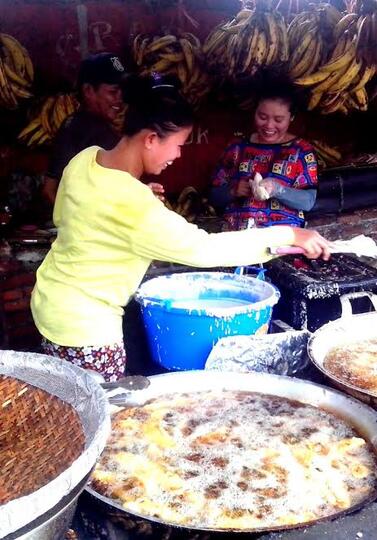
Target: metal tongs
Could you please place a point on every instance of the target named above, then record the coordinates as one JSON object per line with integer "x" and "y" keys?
{"x": 117, "y": 392}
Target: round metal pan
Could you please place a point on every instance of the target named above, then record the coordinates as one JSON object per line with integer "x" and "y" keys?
{"x": 336, "y": 333}
{"x": 356, "y": 414}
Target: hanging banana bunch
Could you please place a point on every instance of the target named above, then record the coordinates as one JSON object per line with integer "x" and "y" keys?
{"x": 191, "y": 205}
{"x": 253, "y": 39}
{"x": 310, "y": 34}
{"x": 327, "y": 155}
{"x": 339, "y": 84}
{"x": 44, "y": 126}
{"x": 366, "y": 39}
{"x": 179, "y": 55}
{"x": 16, "y": 72}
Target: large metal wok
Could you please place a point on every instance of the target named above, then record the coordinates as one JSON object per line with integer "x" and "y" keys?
{"x": 347, "y": 328}
{"x": 361, "y": 417}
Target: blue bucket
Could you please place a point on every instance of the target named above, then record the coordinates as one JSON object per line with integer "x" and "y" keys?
{"x": 186, "y": 314}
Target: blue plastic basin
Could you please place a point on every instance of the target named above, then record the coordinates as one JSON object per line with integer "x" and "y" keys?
{"x": 186, "y": 314}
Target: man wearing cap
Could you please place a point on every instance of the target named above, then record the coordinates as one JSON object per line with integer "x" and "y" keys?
{"x": 99, "y": 92}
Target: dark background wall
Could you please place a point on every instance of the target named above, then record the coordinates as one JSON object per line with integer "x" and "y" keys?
{"x": 58, "y": 34}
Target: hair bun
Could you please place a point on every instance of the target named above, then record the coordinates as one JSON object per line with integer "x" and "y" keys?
{"x": 140, "y": 90}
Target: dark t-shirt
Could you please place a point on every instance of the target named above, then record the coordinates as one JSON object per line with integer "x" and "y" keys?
{"x": 79, "y": 131}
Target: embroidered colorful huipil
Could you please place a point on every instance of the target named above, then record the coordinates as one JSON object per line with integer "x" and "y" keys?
{"x": 293, "y": 164}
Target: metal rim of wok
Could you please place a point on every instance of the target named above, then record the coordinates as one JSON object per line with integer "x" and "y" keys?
{"x": 358, "y": 415}
{"x": 325, "y": 338}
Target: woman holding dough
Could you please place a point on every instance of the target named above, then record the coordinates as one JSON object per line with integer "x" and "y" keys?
{"x": 270, "y": 176}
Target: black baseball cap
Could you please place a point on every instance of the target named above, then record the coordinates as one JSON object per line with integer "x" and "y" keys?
{"x": 101, "y": 68}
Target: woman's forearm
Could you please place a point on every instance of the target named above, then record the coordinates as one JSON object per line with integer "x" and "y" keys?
{"x": 299, "y": 199}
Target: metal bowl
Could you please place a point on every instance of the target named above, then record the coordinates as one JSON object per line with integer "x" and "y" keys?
{"x": 336, "y": 333}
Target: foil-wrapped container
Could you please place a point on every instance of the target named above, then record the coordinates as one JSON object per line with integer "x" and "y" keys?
{"x": 284, "y": 353}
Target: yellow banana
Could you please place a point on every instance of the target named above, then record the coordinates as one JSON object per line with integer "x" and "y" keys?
{"x": 345, "y": 23}
{"x": 37, "y": 135}
{"x": 365, "y": 76}
{"x": 159, "y": 43}
{"x": 315, "y": 98}
{"x": 313, "y": 78}
{"x": 334, "y": 105}
{"x": 244, "y": 14}
{"x": 340, "y": 48}
{"x": 13, "y": 76}
{"x": 272, "y": 38}
{"x": 182, "y": 73}
{"x": 363, "y": 33}
{"x": 136, "y": 45}
{"x": 188, "y": 54}
{"x": 68, "y": 106}
{"x": 172, "y": 57}
{"x": 342, "y": 60}
{"x": 296, "y": 65}
{"x": 58, "y": 113}
{"x": 316, "y": 59}
{"x": 32, "y": 126}
{"x": 45, "y": 114}
{"x": 362, "y": 98}
{"x": 194, "y": 40}
{"x": 44, "y": 138}
{"x": 326, "y": 150}
{"x": 326, "y": 86}
{"x": 9, "y": 98}
{"x": 346, "y": 78}
{"x": 29, "y": 69}
{"x": 20, "y": 92}
{"x": 283, "y": 38}
{"x": 296, "y": 21}
{"x": 351, "y": 103}
{"x": 213, "y": 40}
{"x": 141, "y": 51}
{"x": 15, "y": 49}
{"x": 260, "y": 53}
{"x": 253, "y": 39}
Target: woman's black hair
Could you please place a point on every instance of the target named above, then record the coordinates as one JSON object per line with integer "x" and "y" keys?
{"x": 277, "y": 86}
{"x": 155, "y": 103}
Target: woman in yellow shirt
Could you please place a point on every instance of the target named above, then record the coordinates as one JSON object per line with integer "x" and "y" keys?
{"x": 111, "y": 226}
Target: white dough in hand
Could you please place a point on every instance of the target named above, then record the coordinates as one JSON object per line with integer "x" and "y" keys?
{"x": 259, "y": 192}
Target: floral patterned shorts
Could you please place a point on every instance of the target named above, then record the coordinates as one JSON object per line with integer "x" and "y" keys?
{"x": 109, "y": 360}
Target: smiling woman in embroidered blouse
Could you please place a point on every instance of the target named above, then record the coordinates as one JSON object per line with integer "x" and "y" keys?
{"x": 286, "y": 163}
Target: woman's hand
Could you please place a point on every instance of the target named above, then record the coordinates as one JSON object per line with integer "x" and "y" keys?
{"x": 158, "y": 190}
{"x": 241, "y": 189}
{"x": 312, "y": 242}
{"x": 271, "y": 186}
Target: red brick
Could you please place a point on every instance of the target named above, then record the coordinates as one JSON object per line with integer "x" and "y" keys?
{"x": 14, "y": 294}
{"x": 28, "y": 330}
{"x": 19, "y": 280}
{"x": 18, "y": 318}
{"x": 20, "y": 305}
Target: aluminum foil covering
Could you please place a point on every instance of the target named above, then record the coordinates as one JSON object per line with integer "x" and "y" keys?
{"x": 283, "y": 353}
{"x": 78, "y": 388}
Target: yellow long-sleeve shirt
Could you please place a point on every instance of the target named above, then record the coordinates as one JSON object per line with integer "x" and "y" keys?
{"x": 110, "y": 228}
